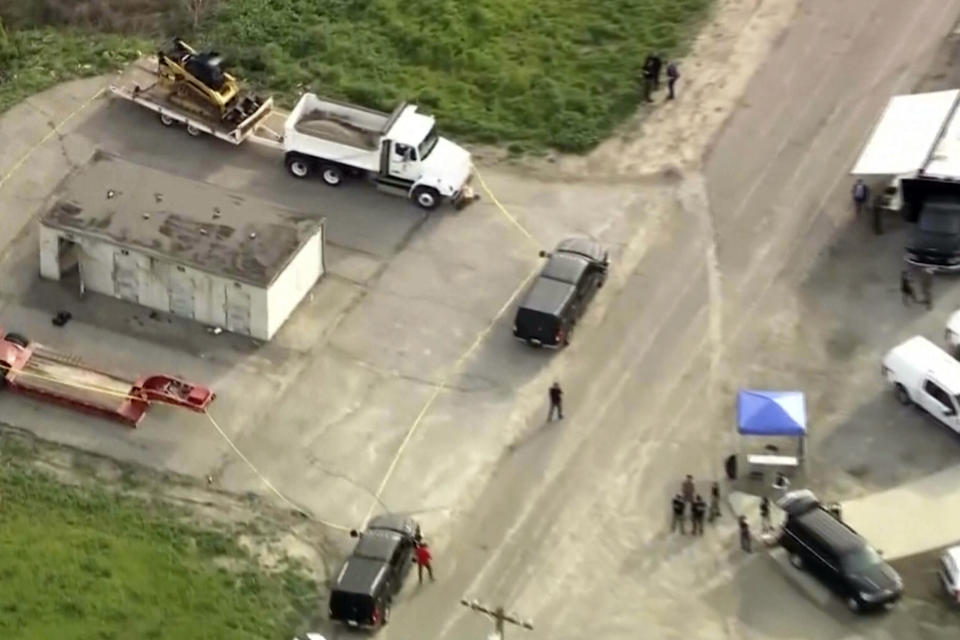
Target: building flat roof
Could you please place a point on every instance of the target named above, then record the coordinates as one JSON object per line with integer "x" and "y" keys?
{"x": 180, "y": 220}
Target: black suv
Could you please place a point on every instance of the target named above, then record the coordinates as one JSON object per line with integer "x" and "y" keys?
{"x": 551, "y": 307}
{"x": 374, "y": 572}
{"x": 935, "y": 241}
{"x": 818, "y": 541}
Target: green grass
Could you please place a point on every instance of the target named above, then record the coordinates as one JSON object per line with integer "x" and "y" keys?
{"x": 528, "y": 74}
{"x": 82, "y": 563}
{"x": 32, "y": 60}
{"x": 535, "y": 73}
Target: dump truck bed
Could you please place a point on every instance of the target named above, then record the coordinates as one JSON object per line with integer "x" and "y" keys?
{"x": 140, "y": 84}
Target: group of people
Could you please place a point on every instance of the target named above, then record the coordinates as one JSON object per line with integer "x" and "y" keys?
{"x": 689, "y": 499}
{"x": 652, "y": 67}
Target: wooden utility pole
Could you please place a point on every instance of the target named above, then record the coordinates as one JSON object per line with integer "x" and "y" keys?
{"x": 500, "y": 617}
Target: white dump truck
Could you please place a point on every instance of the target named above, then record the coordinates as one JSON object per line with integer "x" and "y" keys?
{"x": 400, "y": 152}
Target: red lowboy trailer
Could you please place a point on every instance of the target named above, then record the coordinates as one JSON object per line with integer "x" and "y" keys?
{"x": 32, "y": 369}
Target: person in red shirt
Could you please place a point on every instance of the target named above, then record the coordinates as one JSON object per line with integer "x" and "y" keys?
{"x": 423, "y": 559}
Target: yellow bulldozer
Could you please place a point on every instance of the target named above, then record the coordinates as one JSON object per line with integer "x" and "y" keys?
{"x": 197, "y": 81}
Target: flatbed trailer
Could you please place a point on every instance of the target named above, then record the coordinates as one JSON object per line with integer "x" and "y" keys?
{"x": 34, "y": 370}
{"x": 140, "y": 84}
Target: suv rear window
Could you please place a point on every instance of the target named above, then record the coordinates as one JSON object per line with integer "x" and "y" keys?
{"x": 536, "y": 324}
{"x": 351, "y": 606}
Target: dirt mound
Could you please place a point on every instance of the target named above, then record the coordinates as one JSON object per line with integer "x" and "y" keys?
{"x": 323, "y": 125}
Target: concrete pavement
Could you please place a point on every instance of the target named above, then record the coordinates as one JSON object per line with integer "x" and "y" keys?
{"x": 912, "y": 518}
{"x": 323, "y": 408}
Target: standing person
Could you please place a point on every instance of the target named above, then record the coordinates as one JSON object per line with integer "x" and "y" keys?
{"x": 765, "y": 524}
{"x": 906, "y": 288}
{"x": 648, "y": 80}
{"x": 698, "y": 510}
{"x": 673, "y": 74}
{"x": 926, "y": 286}
{"x": 860, "y": 193}
{"x": 556, "y": 401}
{"x": 679, "y": 506}
{"x": 714, "y": 501}
{"x": 746, "y": 541}
{"x": 688, "y": 489}
{"x": 423, "y": 558}
{"x": 656, "y": 64}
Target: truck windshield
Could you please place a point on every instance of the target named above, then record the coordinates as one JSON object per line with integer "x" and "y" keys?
{"x": 947, "y": 223}
{"x": 428, "y": 143}
{"x": 861, "y": 560}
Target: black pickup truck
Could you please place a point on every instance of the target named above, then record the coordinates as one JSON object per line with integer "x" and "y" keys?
{"x": 363, "y": 591}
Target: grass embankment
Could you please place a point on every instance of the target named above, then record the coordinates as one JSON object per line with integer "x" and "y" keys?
{"x": 32, "y": 60}
{"x": 529, "y": 73}
{"x": 82, "y": 563}
{"x": 558, "y": 73}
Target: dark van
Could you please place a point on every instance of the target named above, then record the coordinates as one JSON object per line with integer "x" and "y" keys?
{"x": 551, "y": 307}
{"x": 363, "y": 591}
{"x": 935, "y": 241}
{"x": 819, "y": 542}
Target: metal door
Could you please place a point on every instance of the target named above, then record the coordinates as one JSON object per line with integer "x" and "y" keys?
{"x": 126, "y": 276}
{"x": 238, "y": 309}
{"x": 181, "y": 292}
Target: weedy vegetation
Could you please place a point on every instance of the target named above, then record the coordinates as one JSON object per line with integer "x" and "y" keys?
{"x": 525, "y": 73}
{"x": 81, "y": 562}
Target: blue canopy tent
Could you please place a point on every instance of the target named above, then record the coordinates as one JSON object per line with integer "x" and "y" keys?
{"x": 773, "y": 414}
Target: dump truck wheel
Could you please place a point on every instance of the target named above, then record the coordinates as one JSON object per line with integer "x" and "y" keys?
{"x": 426, "y": 198}
{"x": 166, "y": 120}
{"x": 332, "y": 175}
{"x": 298, "y": 166}
{"x": 17, "y": 339}
{"x": 193, "y": 131}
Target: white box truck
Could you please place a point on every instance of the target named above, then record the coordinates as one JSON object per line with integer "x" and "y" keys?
{"x": 399, "y": 151}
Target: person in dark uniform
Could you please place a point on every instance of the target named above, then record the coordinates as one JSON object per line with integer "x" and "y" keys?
{"x": 926, "y": 286}
{"x": 556, "y": 401}
{"x": 656, "y": 64}
{"x": 746, "y": 540}
{"x": 860, "y": 193}
{"x": 688, "y": 489}
{"x": 648, "y": 82}
{"x": 679, "y": 506}
{"x": 673, "y": 74}
{"x": 714, "y": 501}
{"x": 906, "y": 288}
{"x": 765, "y": 524}
{"x": 698, "y": 510}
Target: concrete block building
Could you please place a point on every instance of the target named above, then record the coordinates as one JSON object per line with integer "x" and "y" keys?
{"x": 181, "y": 246}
